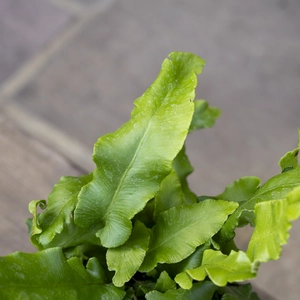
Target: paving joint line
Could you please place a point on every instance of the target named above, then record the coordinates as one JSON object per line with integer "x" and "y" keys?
{"x": 82, "y": 9}
{"x": 30, "y": 68}
{"x": 73, "y": 151}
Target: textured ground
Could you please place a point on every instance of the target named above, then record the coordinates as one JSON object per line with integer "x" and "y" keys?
{"x": 70, "y": 70}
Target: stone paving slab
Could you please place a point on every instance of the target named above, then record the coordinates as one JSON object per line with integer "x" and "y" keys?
{"x": 25, "y": 27}
{"x": 251, "y": 74}
{"x": 28, "y": 171}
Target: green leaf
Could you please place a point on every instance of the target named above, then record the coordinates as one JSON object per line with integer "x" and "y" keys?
{"x": 132, "y": 162}
{"x": 191, "y": 262}
{"x": 238, "y": 292}
{"x": 200, "y": 290}
{"x": 204, "y": 116}
{"x": 271, "y": 230}
{"x": 61, "y": 204}
{"x": 184, "y": 280}
{"x": 127, "y": 259}
{"x": 221, "y": 268}
{"x": 33, "y": 224}
{"x": 290, "y": 159}
{"x": 86, "y": 251}
{"x": 183, "y": 169}
{"x": 165, "y": 283}
{"x": 183, "y": 228}
{"x": 169, "y": 295}
{"x": 146, "y": 216}
{"x": 169, "y": 195}
{"x": 241, "y": 190}
{"x": 48, "y": 275}
{"x": 130, "y": 294}
{"x": 272, "y": 225}
{"x": 275, "y": 188}
{"x": 293, "y": 209}
{"x": 95, "y": 269}
{"x": 73, "y": 235}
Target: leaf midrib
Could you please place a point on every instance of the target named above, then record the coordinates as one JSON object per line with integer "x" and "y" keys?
{"x": 121, "y": 182}
{"x": 177, "y": 232}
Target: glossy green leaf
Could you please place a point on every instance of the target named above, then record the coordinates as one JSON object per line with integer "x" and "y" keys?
{"x": 273, "y": 222}
{"x": 238, "y": 292}
{"x": 95, "y": 269}
{"x": 183, "y": 169}
{"x": 170, "y": 194}
{"x": 241, "y": 190}
{"x": 271, "y": 230}
{"x": 169, "y": 295}
{"x": 204, "y": 116}
{"x": 73, "y": 235}
{"x": 48, "y": 275}
{"x": 275, "y": 188}
{"x": 61, "y": 204}
{"x": 86, "y": 251}
{"x": 33, "y": 224}
{"x": 290, "y": 159}
{"x": 127, "y": 259}
{"x": 146, "y": 216}
{"x": 293, "y": 209}
{"x": 130, "y": 294}
{"x": 184, "y": 280}
{"x": 165, "y": 283}
{"x": 200, "y": 290}
{"x": 183, "y": 228}
{"x": 191, "y": 262}
{"x": 220, "y": 268}
{"x": 132, "y": 162}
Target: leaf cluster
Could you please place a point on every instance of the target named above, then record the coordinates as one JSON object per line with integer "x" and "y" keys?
{"x": 133, "y": 229}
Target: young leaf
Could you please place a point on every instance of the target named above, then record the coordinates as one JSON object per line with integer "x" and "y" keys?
{"x": 221, "y": 268}
{"x": 146, "y": 216}
{"x": 293, "y": 209}
{"x": 178, "y": 294}
{"x": 61, "y": 204}
{"x": 290, "y": 159}
{"x": 48, "y": 275}
{"x": 127, "y": 259}
{"x": 95, "y": 269}
{"x": 191, "y": 262}
{"x": 204, "y": 116}
{"x": 238, "y": 292}
{"x": 33, "y": 224}
{"x": 181, "y": 229}
{"x": 183, "y": 168}
{"x": 271, "y": 230}
{"x": 272, "y": 225}
{"x": 165, "y": 283}
{"x": 275, "y": 188}
{"x": 73, "y": 235}
{"x": 200, "y": 290}
{"x": 132, "y": 162}
{"x": 169, "y": 195}
{"x": 241, "y": 190}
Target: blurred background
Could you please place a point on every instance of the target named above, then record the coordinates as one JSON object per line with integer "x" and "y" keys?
{"x": 70, "y": 70}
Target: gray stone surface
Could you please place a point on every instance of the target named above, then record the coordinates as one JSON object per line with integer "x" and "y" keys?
{"x": 252, "y": 74}
{"x": 25, "y": 27}
{"x": 253, "y": 69}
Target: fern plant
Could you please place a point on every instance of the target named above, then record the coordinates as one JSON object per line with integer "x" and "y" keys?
{"x": 133, "y": 229}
